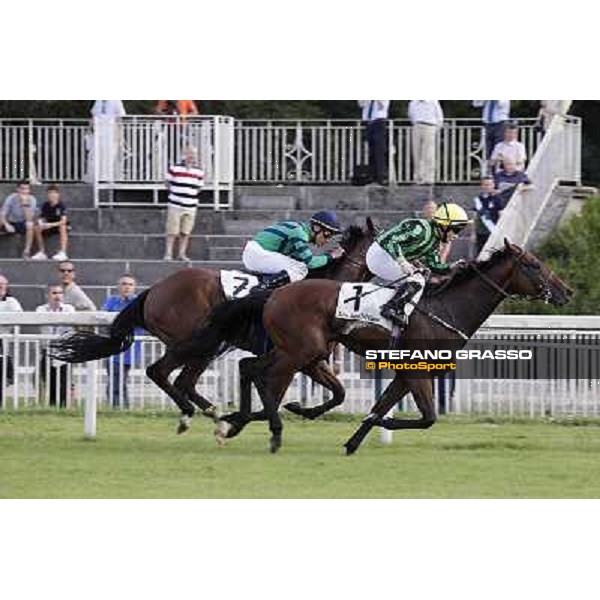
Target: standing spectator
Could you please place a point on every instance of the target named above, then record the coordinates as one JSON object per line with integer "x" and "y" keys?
{"x": 550, "y": 109}
{"x": 73, "y": 294}
{"x": 107, "y": 116}
{"x": 495, "y": 114}
{"x": 18, "y": 214}
{"x": 508, "y": 179}
{"x": 427, "y": 118}
{"x": 55, "y": 373}
{"x": 509, "y": 148}
{"x": 488, "y": 205}
{"x": 118, "y": 366}
{"x": 184, "y": 181}
{"x": 375, "y": 114}
{"x": 8, "y": 303}
{"x": 52, "y": 220}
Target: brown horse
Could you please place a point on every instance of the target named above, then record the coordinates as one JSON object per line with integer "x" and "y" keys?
{"x": 300, "y": 319}
{"x": 178, "y": 305}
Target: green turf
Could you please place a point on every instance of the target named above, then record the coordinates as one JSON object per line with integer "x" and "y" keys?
{"x": 44, "y": 455}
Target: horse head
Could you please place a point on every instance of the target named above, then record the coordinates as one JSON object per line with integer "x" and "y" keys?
{"x": 533, "y": 279}
{"x": 355, "y": 241}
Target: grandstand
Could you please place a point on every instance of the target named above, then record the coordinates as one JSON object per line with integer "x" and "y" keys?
{"x": 258, "y": 172}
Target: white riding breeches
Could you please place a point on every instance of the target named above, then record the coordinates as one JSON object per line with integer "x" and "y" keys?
{"x": 383, "y": 265}
{"x": 256, "y": 258}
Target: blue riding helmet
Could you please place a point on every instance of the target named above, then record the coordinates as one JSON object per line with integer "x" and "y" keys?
{"x": 328, "y": 220}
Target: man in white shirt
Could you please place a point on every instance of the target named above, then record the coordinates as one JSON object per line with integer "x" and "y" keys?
{"x": 375, "y": 116}
{"x": 510, "y": 148}
{"x": 8, "y": 303}
{"x": 427, "y": 118}
{"x": 107, "y": 120}
{"x": 55, "y": 373}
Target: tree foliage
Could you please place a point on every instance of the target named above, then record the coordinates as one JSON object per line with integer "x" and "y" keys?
{"x": 572, "y": 252}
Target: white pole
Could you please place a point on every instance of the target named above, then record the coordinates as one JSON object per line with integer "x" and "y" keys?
{"x": 385, "y": 435}
{"x": 89, "y": 419}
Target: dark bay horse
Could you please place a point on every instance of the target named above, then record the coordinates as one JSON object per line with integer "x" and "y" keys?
{"x": 300, "y": 319}
{"x": 178, "y": 305}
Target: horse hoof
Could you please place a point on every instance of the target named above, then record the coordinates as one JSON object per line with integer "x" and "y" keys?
{"x": 222, "y": 432}
{"x": 350, "y": 449}
{"x": 184, "y": 424}
{"x": 274, "y": 445}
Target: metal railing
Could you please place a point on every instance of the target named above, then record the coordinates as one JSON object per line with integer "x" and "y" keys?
{"x": 558, "y": 158}
{"x": 25, "y": 379}
{"x": 303, "y": 151}
{"x": 135, "y": 153}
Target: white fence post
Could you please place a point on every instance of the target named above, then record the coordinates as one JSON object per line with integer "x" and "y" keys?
{"x": 91, "y": 400}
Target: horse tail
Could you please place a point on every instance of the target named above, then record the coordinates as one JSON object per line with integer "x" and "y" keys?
{"x": 82, "y": 346}
{"x": 230, "y": 323}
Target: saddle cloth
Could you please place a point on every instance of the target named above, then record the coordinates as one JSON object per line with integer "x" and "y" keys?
{"x": 237, "y": 284}
{"x": 362, "y": 302}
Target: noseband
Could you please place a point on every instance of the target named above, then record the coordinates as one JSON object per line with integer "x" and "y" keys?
{"x": 543, "y": 287}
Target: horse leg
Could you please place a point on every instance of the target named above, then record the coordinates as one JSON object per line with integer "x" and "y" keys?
{"x": 159, "y": 373}
{"x": 392, "y": 394}
{"x": 423, "y": 395}
{"x": 186, "y": 381}
{"x": 231, "y": 425}
{"x": 320, "y": 373}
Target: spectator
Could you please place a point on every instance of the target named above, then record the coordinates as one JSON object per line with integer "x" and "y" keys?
{"x": 55, "y": 373}
{"x": 510, "y": 148}
{"x": 375, "y": 114}
{"x": 488, "y": 205}
{"x": 550, "y": 109}
{"x": 184, "y": 181}
{"x": 52, "y": 220}
{"x": 508, "y": 179}
{"x": 73, "y": 294}
{"x": 183, "y": 108}
{"x": 427, "y": 118}
{"x": 107, "y": 116}
{"x": 118, "y": 366}
{"x": 8, "y": 303}
{"x": 18, "y": 213}
{"x": 495, "y": 114}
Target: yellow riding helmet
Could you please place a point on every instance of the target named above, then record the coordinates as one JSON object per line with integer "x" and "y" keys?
{"x": 449, "y": 215}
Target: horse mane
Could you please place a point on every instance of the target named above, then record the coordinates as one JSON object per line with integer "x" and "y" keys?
{"x": 352, "y": 235}
{"x": 468, "y": 272}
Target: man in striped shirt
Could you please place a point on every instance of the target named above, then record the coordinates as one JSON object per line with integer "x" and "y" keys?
{"x": 282, "y": 250}
{"x": 184, "y": 181}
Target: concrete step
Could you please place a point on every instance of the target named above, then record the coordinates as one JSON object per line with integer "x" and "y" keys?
{"x": 219, "y": 254}
{"x": 102, "y": 272}
{"x": 266, "y": 202}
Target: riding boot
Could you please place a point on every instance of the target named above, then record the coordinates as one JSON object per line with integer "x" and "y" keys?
{"x": 393, "y": 309}
{"x": 272, "y": 281}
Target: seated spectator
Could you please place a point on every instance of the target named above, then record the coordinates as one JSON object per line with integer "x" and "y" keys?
{"x": 8, "y": 303}
{"x": 52, "y": 221}
{"x": 54, "y": 373}
{"x": 118, "y": 366}
{"x": 510, "y": 148}
{"x": 18, "y": 214}
{"x": 507, "y": 180}
{"x": 184, "y": 181}
{"x": 73, "y": 294}
{"x": 488, "y": 205}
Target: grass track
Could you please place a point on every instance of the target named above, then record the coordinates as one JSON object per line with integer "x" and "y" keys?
{"x": 44, "y": 455}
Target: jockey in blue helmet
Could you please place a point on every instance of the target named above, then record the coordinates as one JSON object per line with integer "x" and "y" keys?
{"x": 282, "y": 250}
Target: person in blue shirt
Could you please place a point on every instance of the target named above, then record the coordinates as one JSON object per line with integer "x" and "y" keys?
{"x": 118, "y": 366}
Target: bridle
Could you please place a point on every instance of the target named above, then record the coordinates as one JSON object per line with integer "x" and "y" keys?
{"x": 543, "y": 286}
